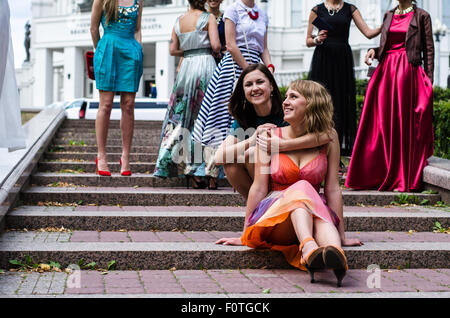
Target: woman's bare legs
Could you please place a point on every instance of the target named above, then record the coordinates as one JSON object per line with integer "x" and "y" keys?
{"x": 127, "y": 101}
{"x": 101, "y": 127}
{"x": 300, "y": 225}
{"x": 241, "y": 175}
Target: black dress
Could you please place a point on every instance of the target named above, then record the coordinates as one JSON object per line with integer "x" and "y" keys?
{"x": 332, "y": 65}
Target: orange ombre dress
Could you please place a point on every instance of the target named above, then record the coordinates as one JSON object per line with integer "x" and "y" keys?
{"x": 291, "y": 188}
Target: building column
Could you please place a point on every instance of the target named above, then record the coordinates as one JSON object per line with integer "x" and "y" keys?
{"x": 43, "y": 74}
{"x": 73, "y": 73}
{"x": 164, "y": 69}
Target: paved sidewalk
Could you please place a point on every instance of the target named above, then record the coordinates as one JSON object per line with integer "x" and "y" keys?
{"x": 226, "y": 283}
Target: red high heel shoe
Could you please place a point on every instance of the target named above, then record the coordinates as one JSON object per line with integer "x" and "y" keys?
{"x": 124, "y": 173}
{"x": 101, "y": 172}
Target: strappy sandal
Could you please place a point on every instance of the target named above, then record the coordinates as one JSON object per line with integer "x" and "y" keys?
{"x": 314, "y": 260}
{"x": 334, "y": 258}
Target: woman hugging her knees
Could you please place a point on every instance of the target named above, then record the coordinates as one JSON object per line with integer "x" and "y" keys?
{"x": 285, "y": 211}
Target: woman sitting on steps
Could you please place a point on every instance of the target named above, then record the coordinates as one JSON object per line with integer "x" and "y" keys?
{"x": 284, "y": 209}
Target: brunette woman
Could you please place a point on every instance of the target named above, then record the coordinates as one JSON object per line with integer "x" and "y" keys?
{"x": 246, "y": 41}
{"x": 256, "y": 104}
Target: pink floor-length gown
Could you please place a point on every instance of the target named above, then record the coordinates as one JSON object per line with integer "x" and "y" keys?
{"x": 395, "y": 134}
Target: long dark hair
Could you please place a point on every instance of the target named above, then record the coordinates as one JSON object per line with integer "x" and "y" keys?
{"x": 198, "y": 4}
{"x": 242, "y": 110}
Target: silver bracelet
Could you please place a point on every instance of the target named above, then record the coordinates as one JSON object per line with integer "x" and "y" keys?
{"x": 317, "y": 42}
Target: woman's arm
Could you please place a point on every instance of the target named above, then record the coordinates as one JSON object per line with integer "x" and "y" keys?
{"x": 96, "y": 16}
{"x": 213, "y": 33}
{"x": 333, "y": 193}
{"x": 174, "y": 48}
{"x": 363, "y": 27}
{"x": 260, "y": 185}
{"x": 258, "y": 191}
{"x": 230, "y": 150}
{"x": 332, "y": 188}
{"x": 428, "y": 48}
{"x": 137, "y": 32}
{"x": 310, "y": 41}
{"x": 265, "y": 56}
{"x": 233, "y": 151}
{"x": 272, "y": 143}
{"x": 230, "y": 36}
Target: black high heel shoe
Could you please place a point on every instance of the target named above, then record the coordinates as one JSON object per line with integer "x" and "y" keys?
{"x": 215, "y": 186}
{"x": 334, "y": 258}
{"x": 314, "y": 260}
{"x": 195, "y": 184}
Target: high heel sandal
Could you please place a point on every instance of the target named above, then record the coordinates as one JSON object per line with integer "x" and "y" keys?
{"x": 124, "y": 173}
{"x": 101, "y": 172}
{"x": 209, "y": 184}
{"x": 195, "y": 184}
{"x": 334, "y": 258}
{"x": 314, "y": 260}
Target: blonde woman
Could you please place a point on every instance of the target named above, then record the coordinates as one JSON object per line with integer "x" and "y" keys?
{"x": 118, "y": 68}
{"x": 284, "y": 209}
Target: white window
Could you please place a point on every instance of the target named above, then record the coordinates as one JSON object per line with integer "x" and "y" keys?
{"x": 446, "y": 13}
{"x": 296, "y": 13}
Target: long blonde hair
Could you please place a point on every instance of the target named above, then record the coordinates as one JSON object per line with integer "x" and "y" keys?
{"x": 319, "y": 109}
{"x": 110, "y": 7}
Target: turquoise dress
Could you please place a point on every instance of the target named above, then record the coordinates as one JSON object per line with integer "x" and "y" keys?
{"x": 118, "y": 57}
{"x": 176, "y": 152}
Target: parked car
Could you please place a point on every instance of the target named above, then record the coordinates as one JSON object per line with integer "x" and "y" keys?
{"x": 145, "y": 109}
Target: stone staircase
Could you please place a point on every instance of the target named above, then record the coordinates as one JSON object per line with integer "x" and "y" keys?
{"x": 154, "y": 227}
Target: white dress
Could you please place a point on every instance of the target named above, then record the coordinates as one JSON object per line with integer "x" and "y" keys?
{"x": 12, "y": 135}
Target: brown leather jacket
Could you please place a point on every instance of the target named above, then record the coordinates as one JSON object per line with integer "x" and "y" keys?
{"x": 419, "y": 40}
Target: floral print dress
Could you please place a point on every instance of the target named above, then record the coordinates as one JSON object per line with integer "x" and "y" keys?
{"x": 177, "y": 152}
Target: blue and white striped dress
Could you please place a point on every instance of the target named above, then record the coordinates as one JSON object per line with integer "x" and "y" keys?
{"x": 214, "y": 120}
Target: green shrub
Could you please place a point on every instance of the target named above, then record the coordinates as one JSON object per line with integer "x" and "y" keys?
{"x": 441, "y": 94}
{"x": 361, "y": 87}
{"x": 359, "y": 107}
{"x": 283, "y": 90}
{"x": 441, "y": 125}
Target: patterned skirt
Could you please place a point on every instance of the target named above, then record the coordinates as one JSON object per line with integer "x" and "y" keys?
{"x": 177, "y": 151}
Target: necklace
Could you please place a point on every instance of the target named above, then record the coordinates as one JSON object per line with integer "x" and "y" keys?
{"x": 333, "y": 10}
{"x": 407, "y": 10}
{"x": 252, "y": 12}
{"x": 254, "y": 15}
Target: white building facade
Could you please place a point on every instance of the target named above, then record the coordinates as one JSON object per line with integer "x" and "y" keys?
{"x": 60, "y": 36}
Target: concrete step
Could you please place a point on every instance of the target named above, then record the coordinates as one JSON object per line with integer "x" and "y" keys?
{"x": 89, "y": 167}
{"x": 197, "y": 250}
{"x": 116, "y": 180}
{"x": 151, "y": 141}
{"x": 112, "y": 133}
{"x": 187, "y": 197}
{"x": 112, "y": 157}
{"x": 113, "y": 124}
{"x": 196, "y": 218}
{"x": 93, "y": 149}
